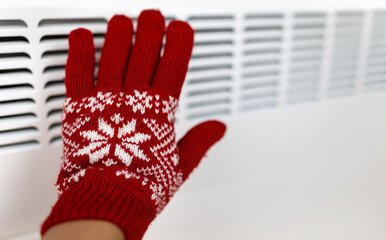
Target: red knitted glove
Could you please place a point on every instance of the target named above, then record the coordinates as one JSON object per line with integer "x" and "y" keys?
{"x": 121, "y": 162}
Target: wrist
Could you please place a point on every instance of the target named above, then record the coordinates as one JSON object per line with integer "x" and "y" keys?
{"x": 84, "y": 229}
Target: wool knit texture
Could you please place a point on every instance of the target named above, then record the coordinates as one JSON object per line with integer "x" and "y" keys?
{"x": 121, "y": 161}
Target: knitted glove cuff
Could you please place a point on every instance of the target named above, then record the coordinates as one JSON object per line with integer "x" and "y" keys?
{"x": 100, "y": 195}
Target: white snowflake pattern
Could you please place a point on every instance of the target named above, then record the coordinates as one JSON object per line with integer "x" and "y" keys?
{"x": 127, "y": 140}
{"x": 116, "y": 139}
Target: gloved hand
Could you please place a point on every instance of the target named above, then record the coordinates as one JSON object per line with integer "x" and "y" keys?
{"x": 121, "y": 161}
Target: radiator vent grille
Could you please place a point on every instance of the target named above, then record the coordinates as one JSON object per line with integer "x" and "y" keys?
{"x": 18, "y": 117}
{"x": 240, "y": 63}
{"x": 308, "y": 35}
{"x": 261, "y": 64}
{"x": 375, "y": 75}
{"x": 346, "y": 50}
{"x": 209, "y": 80}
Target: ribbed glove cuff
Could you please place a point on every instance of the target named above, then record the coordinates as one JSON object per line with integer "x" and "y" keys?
{"x": 100, "y": 196}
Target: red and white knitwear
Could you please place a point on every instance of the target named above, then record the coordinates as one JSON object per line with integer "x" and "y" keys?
{"x": 121, "y": 161}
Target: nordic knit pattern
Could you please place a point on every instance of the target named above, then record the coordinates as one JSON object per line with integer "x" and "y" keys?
{"x": 129, "y": 134}
{"x": 121, "y": 162}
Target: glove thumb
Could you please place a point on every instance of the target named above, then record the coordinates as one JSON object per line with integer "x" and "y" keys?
{"x": 196, "y": 142}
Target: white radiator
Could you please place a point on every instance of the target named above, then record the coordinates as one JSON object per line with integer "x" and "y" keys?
{"x": 301, "y": 90}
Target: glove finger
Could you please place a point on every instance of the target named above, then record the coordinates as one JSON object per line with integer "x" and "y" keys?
{"x": 80, "y": 65}
{"x": 115, "y": 52}
{"x": 196, "y": 142}
{"x": 146, "y": 50}
{"x": 173, "y": 65}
